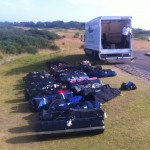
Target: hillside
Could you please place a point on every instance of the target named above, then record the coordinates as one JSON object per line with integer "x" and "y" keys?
{"x": 17, "y": 40}
{"x": 69, "y": 42}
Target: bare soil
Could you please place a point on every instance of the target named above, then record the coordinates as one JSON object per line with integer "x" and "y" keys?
{"x": 138, "y": 44}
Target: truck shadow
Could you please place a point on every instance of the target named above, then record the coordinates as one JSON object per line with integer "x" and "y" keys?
{"x": 41, "y": 64}
{"x": 71, "y": 59}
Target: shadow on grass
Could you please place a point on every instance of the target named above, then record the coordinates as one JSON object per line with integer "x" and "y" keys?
{"x": 31, "y": 119}
{"x": 19, "y": 87}
{"x": 27, "y": 68}
{"x": 19, "y": 100}
{"x": 41, "y": 65}
{"x": 22, "y": 129}
{"x": 110, "y": 62}
{"x": 39, "y": 138}
{"x": 32, "y": 136}
{"x": 23, "y": 107}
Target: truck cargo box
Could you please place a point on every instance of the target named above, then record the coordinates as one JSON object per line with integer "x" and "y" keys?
{"x": 103, "y": 37}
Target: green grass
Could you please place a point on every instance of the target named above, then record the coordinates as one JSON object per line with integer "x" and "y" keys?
{"x": 127, "y": 125}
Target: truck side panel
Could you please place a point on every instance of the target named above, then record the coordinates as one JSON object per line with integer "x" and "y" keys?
{"x": 92, "y": 35}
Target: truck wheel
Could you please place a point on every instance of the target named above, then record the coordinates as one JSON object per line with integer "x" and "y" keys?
{"x": 95, "y": 55}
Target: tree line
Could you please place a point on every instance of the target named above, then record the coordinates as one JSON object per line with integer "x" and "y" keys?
{"x": 61, "y": 24}
{"x": 47, "y": 24}
{"x": 142, "y": 34}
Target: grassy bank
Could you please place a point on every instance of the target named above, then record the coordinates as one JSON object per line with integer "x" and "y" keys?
{"x": 127, "y": 125}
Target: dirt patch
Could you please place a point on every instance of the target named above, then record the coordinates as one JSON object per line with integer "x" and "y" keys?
{"x": 138, "y": 44}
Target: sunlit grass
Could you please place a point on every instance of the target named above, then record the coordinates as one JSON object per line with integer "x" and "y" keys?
{"x": 127, "y": 125}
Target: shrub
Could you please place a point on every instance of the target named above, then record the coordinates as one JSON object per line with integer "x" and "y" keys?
{"x": 82, "y": 46}
{"x": 31, "y": 49}
{"x": 1, "y": 57}
{"x": 13, "y": 40}
{"x": 143, "y": 38}
{"x": 11, "y": 49}
{"x": 76, "y": 35}
{"x": 43, "y": 33}
{"x": 55, "y": 47}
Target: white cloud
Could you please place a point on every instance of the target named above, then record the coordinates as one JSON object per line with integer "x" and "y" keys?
{"x": 17, "y": 4}
{"x": 85, "y": 2}
{"x": 73, "y": 2}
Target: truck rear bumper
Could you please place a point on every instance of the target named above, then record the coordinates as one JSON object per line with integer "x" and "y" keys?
{"x": 108, "y": 54}
{"x": 115, "y": 51}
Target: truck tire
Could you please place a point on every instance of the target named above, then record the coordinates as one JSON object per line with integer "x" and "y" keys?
{"x": 95, "y": 55}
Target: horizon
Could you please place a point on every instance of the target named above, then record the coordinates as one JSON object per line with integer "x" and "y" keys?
{"x": 73, "y": 10}
{"x": 61, "y": 20}
{"x": 55, "y": 21}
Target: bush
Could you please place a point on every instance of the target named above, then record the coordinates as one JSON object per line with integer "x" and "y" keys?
{"x": 1, "y": 57}
{"x": 82, "y": 46}
{"x": 76, "y": 35}
{"x": 43, "y": 33}
{"x": 31, "y": 49}
{"x": 16, "y": 41}
{"x": 55, "y": 47}
{"x": 11, "y": 49}
{"x": 142, "y": 38}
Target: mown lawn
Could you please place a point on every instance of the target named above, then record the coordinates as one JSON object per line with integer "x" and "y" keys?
{"x": 127, "y": 124}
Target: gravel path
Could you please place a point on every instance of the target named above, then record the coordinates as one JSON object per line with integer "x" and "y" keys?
{"x": 134, "y": 71}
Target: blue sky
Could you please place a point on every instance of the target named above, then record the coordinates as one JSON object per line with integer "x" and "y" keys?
{"x": 74, "y": 10}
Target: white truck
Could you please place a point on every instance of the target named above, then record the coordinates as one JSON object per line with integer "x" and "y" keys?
{"x": 103, "y": 38}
